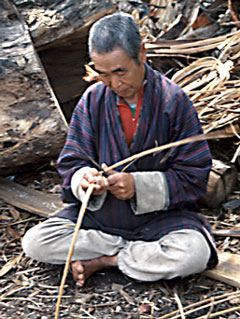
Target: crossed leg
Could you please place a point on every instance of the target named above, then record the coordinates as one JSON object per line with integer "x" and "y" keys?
{"x": 179, "y": 253}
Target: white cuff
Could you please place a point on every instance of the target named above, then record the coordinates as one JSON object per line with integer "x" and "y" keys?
{"x": 96, "y": 201}
{"x": 151, "y": 192}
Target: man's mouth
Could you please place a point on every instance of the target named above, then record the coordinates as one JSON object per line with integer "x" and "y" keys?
{"x": 122, "y": 92}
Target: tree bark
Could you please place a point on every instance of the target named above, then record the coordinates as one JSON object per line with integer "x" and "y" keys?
{"x": 43, "y": 52}
{"x": 51, "y": 21}
{"x": 31, "y": 127}
{"x": 59, "y": 30}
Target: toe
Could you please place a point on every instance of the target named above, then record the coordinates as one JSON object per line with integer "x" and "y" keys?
{"x": 80, "y": 277}
{"x": 80, "y": 283}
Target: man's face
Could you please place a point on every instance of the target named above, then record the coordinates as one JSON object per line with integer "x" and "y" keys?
{"x": 120, "y": 72}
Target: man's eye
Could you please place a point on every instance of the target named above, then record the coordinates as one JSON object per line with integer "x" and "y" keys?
{"x": 120, "y": 73}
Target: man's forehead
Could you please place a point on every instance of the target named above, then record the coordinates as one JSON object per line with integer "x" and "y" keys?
{"x": 108, "y": 70}
{"x": 109, "y": 67}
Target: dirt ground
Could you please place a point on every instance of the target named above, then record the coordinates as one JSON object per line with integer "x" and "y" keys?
{"x": 29, "y": 289}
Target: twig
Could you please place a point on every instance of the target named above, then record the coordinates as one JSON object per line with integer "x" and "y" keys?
{"x": 222, "y": 312}
{"x": 180, "y": 307}
{"x": 236, "y": 154}
{"x": 87, "y": 313}
{"x": 25, "y": 299}
{"x": 233, "y": 13}
{"x": 70, "y": 253}
{"x": 200, "y": 305}
{"x": 19, "y": 222}
{"x": 211, "y": 309}
{"x": 229, "y": 23}
{"x": 140, "y": 3}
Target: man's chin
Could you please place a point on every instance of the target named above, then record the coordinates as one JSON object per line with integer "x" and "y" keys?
{"x": 124, "y": 93}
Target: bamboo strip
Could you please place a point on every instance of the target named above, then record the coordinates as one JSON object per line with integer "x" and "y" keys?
{"x": 187, "y": 140}
{"x": 71, "y": 249}
{"x": 185, "y": 44}
{"x": 219, "y": 313}
{"x": 200, "y": 305}
{"x": 191, "y": 45}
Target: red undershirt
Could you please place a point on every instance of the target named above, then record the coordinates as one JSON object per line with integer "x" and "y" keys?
{"x": 129, "y": 122}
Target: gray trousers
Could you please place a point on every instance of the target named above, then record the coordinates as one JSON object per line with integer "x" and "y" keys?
{"x": 179, "y": 253}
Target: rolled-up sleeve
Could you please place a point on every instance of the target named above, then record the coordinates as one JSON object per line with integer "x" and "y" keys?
{"x": 151, "y": 192}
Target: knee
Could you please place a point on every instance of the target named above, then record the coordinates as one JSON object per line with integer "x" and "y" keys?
{"x": 191, "y": 251}
{"x": 30, "y": 243}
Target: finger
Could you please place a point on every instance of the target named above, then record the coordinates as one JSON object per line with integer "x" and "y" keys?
{"x": 109, "y": 172}
{"x": 101, "y": 181}
{"x": 84, "y": 182}
{"x": 104, "y": 166}
{"x": 90, "y": 176}
{"x": 114, "y": 188}
{"x": 114, "y": 178}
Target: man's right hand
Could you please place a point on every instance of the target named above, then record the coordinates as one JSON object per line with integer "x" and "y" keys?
{"x": 91, "y": 175}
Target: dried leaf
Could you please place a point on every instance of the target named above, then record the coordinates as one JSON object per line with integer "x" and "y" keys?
{"x": 9, "y": 265}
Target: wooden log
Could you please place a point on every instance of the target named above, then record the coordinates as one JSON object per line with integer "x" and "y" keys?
{"x": 53, "y": 21}
{"x": 221, "y": 182}
{"x": 30, "y": 200}
{"x": 228, "y": 270}
{"x": 59, "y": 30}
{"x": 232, "y": 232}
{"x": 31, "y": 127}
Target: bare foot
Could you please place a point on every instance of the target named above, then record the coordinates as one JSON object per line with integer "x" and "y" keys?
{"x": 84, "y": 269}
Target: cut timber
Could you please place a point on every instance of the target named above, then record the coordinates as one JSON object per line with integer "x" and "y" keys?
{"x": 53, "y": 20}
{"x": 33, "y": 201}
{"x": 221, "y": 182}
{"x": 31, "y": 127}
{"x": 228, "y": 269}
{"x": 59, "y": 30}
{"x": 232, "y": 232}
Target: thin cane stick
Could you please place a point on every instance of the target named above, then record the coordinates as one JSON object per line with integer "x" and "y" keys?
{"x": 187, "y": 140}
{"x": 70, "y": 252}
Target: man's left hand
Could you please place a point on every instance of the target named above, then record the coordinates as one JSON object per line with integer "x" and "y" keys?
{"x": 121, "y": 185}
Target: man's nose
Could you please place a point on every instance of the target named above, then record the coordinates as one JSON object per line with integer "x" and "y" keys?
{"x": 115, "y": 81}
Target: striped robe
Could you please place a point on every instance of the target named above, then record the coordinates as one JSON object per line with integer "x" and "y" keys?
{"x": 167, "y": 115}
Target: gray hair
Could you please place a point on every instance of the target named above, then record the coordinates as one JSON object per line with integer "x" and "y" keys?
{"x": 118, "y": 30}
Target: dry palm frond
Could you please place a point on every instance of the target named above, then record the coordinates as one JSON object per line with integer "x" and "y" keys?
{"x": 208, "y": 83}
{"x": 186, "y": 47}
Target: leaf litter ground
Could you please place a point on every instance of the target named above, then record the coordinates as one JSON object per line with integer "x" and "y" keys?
{"x": 29, "y": 289}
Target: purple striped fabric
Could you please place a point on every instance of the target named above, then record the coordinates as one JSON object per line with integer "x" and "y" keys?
{"x": 167, "y": 115}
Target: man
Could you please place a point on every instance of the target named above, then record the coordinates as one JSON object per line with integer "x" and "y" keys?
{"x": 143, "y": 220}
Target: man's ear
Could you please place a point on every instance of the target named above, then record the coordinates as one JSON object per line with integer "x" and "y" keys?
{"x": 142, "y": 54}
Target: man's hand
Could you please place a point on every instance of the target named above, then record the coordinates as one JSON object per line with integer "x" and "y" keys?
{"x": 92, "y": 175}
{"x": 121, "y": 185}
